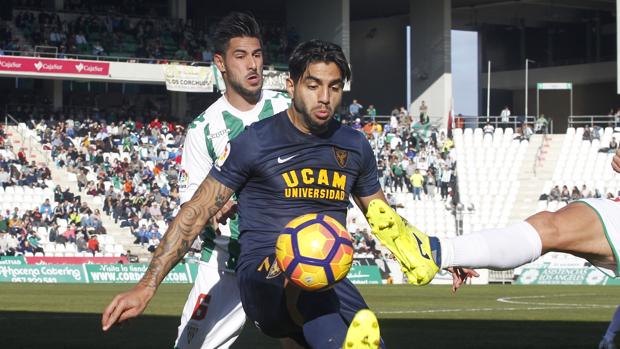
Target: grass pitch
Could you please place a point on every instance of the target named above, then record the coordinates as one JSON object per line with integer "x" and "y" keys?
{"x": 68, "y": 316}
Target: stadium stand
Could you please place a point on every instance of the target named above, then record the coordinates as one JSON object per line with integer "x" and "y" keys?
{"x": 99, "y": 32}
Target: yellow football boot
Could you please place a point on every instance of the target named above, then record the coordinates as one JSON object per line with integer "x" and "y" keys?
{"x": 363, "y": 332}
{"x": 418, "y": 254}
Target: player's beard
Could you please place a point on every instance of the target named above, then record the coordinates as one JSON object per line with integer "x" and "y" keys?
{"x": 313, "y": 126}
{"x": 236, "y": 83}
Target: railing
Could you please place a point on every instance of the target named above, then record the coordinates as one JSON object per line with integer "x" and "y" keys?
{"x": 27, "y": 138}
{"x": 98, "y": 58}
{"x": 593, "y": 120}
{"x": 514, "y": 121}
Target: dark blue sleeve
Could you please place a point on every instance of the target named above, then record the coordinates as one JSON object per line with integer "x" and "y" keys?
{"x": 233, "y": 167}
{"x": 368, "y": 181}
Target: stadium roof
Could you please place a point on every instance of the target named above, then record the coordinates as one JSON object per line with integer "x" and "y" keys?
{"x": 471, "y": 13}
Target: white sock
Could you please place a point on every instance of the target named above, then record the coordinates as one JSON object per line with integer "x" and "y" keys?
{"x": 499, "y": 249}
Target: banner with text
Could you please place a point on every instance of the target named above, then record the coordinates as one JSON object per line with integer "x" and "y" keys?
{"x": 185, "y": 78}
{"x": 12, "y": 260}
{"x": 53, "y": 66}
{"x": 365, "y": 275}
{"x": 549, "y": 275}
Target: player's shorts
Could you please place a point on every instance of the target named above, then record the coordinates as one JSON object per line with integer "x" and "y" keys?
{"x": 268, "y": 304}
{"x": 609, "y": 213}
{"x": 212, "y": 316}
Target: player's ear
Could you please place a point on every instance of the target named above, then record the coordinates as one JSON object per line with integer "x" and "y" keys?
{"x": 219, "y": 62}
{"x": 290, "y": 87}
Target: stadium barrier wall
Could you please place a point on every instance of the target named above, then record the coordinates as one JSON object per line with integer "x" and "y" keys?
{"x": 16, "y": 270}
{"x": 548, "y": 274}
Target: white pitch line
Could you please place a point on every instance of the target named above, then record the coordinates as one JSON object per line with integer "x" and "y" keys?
{"x": 510, "y": 300}
{"x": 463, "y": 310}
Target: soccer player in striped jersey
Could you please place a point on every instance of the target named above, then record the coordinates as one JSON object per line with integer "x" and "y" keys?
{"x": 213, "y": 316}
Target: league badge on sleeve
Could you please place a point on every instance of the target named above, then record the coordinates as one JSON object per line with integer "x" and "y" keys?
{"x": 183, "y": 179}
{"x": 222, "y": 158}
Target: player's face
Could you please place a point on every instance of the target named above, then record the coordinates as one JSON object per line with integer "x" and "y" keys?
{"x": 242, "y": 66}
{"x": 317, "y": 94}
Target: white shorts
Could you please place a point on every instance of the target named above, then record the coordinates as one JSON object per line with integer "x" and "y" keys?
{"x": 212, "y": 316}
{"x": 609, "y": 213}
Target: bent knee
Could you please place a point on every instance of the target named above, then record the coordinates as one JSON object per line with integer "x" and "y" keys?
{"x": 547, "y": 227}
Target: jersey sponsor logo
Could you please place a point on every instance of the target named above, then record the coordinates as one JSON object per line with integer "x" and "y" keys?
{"x": 283, "y": 160}
{"x": 315, "y": 184}
{"x": 341, "y": 157}
{"x": 222, "y": 158}
{"x": 218, "y": 134}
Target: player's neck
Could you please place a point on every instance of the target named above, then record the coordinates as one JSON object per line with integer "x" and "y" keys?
{"x": 241, "y": 102}
{"x": 297, "y": 120}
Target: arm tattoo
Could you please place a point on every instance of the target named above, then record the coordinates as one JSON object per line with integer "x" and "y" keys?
{"x": 189, "y": 222}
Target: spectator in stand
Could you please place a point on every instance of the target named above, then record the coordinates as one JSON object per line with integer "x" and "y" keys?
{"x": 505, "y": 117}
{"x": 52, "y": 232}
{"x": 153, "y": 243}
{"x": 613, "y": 144}
{"x": 565, "y": 194}
{"x": 141, "y": 235}
{"x": 93, "y": 244}
{"x": 372, "y": 113}
{"x": 597, "y": 194}
{"x": 397, "y": 175}
{"x": 354, "y": 110}
{"x": 417, "y": 181}
{"x": 527, "y": 132}
{"x": 554, "y": 194}
{"x": 69, "y": 234}
{"x": 8, "y": 244}
{"x": 81, "y": 180}
{"x": 576, "y": 194}
{"x": 585, "y": 192}
{"x": 424, "y": 119}
{"x": 431, "y": 183}
{"x": 541, "y": 125}
{"x": 80, "y": 242}
{"x": 46, "y": 208}
{"x": 5, "y": 178}
{"x": 446, "y": 175}
{"x": 488, "y": 129}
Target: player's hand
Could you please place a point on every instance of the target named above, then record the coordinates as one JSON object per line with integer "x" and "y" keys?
{"x": 615, "y": 163}
{"x": 126, "y": 305}
{"x": 460, "y": 276}
{"x": 228, "y": 211}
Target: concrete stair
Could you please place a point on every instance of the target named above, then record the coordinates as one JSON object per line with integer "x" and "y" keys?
{"x": 22, "y": 138}
{"x": 537, "y": 168}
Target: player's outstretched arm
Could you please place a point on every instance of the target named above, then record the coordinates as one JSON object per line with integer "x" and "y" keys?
{"x": 209, "y": 198}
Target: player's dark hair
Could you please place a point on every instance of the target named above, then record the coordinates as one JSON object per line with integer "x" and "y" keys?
{"x": 234, "y": 25}
{"x": 315, "y": 51}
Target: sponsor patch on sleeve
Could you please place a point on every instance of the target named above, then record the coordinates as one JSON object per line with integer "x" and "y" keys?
{"x": 222, "y": 158}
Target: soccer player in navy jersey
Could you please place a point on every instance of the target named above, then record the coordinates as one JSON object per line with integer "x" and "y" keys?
{"x": 297, "y": 162}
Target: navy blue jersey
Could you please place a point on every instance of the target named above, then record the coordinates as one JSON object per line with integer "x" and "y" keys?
{"x": 280, "y": 173}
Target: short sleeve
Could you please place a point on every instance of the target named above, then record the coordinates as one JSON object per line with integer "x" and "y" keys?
{"x": 233, "y": 167}
{"x": 368, "y": 181}
{"x": 195, "y": 164}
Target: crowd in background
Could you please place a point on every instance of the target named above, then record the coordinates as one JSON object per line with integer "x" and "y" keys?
{"x": 158, "y": 39}
{"x": 413, "y": 155}
{"x": 21, "y": 226}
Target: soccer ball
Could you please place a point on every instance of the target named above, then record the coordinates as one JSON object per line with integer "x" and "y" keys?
{"x": 314, "y": 251}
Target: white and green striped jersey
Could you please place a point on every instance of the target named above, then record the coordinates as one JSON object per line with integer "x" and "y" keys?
{"x": 205, "y": 141}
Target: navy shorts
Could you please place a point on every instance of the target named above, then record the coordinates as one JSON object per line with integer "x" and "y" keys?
{"x": 268, "y": 304}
